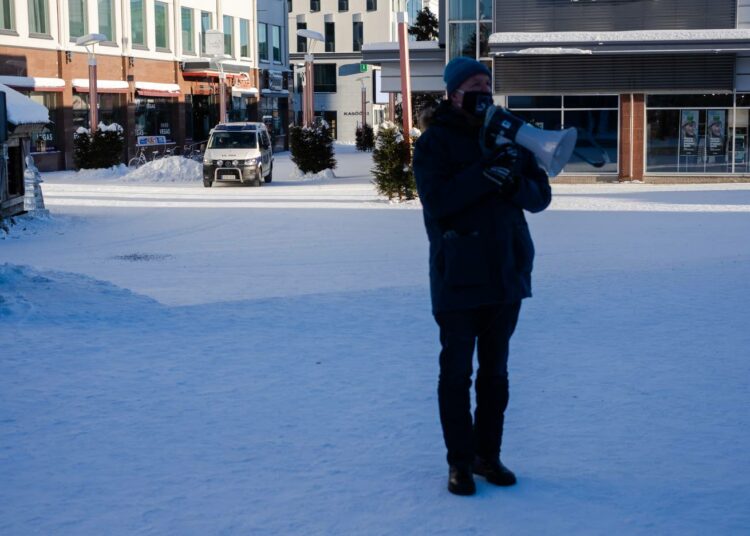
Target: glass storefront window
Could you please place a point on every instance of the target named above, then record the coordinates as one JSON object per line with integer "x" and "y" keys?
{"x": 485, "y": 9}
{"x": 463, "y": 39}
{"x": 595, "y": 117}
{"x": 691, "y": 140}
{"x": 153, "y": 117}
{"x": 681, "y": 101}
{"x": 46, "y": 140}
{"x": 463, "y": 10}
{"x": 111, "y": 109}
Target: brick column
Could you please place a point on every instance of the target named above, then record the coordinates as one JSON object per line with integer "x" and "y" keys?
{"x": 632, "y": 129}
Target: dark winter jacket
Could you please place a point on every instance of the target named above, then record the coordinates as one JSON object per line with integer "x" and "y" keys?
{"x": 480, "y": 248}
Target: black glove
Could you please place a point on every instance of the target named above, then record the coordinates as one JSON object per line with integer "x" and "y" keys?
{"x": 502, "y": 168}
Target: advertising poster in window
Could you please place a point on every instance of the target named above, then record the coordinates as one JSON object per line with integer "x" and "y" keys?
{"x": 689, "y": 132}
{"x": 716, "y": 133}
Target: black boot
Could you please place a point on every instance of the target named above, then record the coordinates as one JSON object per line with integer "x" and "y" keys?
{"x": 461, "y": 481}
{"x": 494, "y": 471}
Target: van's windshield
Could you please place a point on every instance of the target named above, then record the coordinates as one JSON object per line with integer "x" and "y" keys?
{"x": 233, "y": 140}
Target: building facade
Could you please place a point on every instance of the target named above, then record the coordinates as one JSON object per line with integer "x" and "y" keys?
{"x": 341, "y": 80}
{"x": 658, "y": 90}
{"x": 154, "y": 75}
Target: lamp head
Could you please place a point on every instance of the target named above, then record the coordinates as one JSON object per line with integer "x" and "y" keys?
{"x": 90, "y": 39}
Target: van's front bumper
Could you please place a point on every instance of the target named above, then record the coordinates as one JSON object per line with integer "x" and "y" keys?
{"x": 230, "y": 173}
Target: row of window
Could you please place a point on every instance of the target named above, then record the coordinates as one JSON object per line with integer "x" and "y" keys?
{"x": 343, "y": 5}
{"x": 358, "y": 36}
{"x": 269, "y": 42}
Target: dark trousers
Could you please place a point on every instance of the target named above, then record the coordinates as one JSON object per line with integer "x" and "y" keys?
{"x": 489, "y": 328}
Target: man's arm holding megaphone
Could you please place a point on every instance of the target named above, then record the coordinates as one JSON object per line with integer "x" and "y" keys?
{"x": 442, "y": 191}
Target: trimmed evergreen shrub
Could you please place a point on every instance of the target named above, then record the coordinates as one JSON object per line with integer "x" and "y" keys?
{"x": 365, "y": 138}
{"x": 311, "y": 148}
{"x": 102, "y": 150}
{"x": 393, "y": 176}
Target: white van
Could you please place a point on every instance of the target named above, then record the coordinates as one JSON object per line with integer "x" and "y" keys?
{"x": 238, "y": 152}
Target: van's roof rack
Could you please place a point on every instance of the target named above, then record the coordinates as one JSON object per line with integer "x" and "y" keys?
{"x": 237, "y": 126}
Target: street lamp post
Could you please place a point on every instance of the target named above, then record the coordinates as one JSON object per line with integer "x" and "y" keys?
{"x": 222, "y": 86}
{"x": 308, "y": 107}
{"x": 89, "y": 41}
{"x": 364, "y": 100}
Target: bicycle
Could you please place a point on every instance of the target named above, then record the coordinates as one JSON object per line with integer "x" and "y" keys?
{"x": 140, "y": 158}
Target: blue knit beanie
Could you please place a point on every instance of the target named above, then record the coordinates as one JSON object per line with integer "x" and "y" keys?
{"x": 461, "y": 68}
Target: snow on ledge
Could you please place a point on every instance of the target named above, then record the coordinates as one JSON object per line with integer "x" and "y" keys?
{"x": 32, "y": 82}
{"x": 615, "y": 37}
{"x": 393, "y": 45}
{"x": 100, "y": 84}
{"x": 547, "y": 51}
{"x": 21, "y": 109}
{"x": 155, "y": 86}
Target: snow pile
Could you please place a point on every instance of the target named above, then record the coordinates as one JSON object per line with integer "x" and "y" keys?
{"x": 169, "y": 169}
{"x": 637, "y": 36}
{"x": 552, "y": 51}
{"x": 53, "y": 297}
{"x": 319, "y": 176}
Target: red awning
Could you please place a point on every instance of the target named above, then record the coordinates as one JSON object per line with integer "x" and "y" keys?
{"x": 157, "y": 93}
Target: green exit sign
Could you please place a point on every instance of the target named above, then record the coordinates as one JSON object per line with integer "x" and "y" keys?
{"x": 362, "y": 67}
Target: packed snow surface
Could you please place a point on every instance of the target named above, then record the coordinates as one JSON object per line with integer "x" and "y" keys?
{"x": 235, "y": 360}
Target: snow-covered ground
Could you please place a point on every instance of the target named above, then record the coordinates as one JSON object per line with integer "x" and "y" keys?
{"x": 179, "y": 360}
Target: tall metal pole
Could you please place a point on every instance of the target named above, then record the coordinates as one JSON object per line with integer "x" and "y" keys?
{"x": 403, "y": 45}
{"x": 308, "y": 110}
{"x": 364, "y": 105}
{"x": 93, "y": 95}
{"x": 222, "y": 95}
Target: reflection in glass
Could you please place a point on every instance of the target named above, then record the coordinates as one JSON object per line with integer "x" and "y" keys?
{"x": 597, "y": 140}
{"x": 485, "y": 9}
{"x": 485, "y": 29}
{"x": 463, "y": 10}
{"x": 463, "y": 41}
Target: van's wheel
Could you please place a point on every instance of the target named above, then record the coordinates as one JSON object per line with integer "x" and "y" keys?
{"x": 269, "y": 177}
{"x": 207, "y": 184}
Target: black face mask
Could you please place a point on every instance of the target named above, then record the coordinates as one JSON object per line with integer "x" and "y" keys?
{"x": 477, "y": 102}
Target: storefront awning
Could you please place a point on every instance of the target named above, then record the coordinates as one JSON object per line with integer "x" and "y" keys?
{"x": 22, "y": 110}
{"x": 244, "y": 91}
{"x": 721, "y": 41}
{"x": 34, "y": 83}
{"x": 154, "y": 89}
{"x": 81, "y": 85}
{"x": 275, "y": 92}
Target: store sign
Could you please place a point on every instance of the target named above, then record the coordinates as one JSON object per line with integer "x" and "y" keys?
{"x": 165, "y": 129}
{"x": 716, "y": 133}
{"x": 689, "y": 132}
{"x": 275, "y": 81}
{"x": 150, "y": 140}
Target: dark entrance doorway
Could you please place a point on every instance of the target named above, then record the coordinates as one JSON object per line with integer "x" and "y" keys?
{"x": 205, "y": 116}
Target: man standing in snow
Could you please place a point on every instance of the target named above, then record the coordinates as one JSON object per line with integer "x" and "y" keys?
{"x": 481, "y": 257}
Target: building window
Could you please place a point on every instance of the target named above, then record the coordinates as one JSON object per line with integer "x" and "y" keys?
{"x": 290, "y": 6}
{"x": 467, "y": 20}
{"x": 262, "y": 41}
{"x": 314, "y": 6}
{"x": 188, "y": 46}
{"x": 696, "y": 134}
{"x": 45, "y": 140}
{"x": 38, "y": 17}
{"x": 106, "y": 11}
{"x": 137, "y": 23}
{"x": 154, "y": 116}
{"x": 357, "y": 35}
{"x": 112, "y": 109}
{"x": 206, "y": 21}
{"x": 229, "y": 35}
{"x": 276, "y": 43}
{"x": 330, "y": 31}
{"x": 161, "y": 25}
{"x": 244, "y": 38}
{"x": 463, "y": 10}
{"x": 372, "y": 5}
{"x": 343, "y": 5}
{"x": 7, "y": 16}
{"x": 301, "y": 41}
{"x": 77, "y": 22}
{"x": 325, "y": 78}
{"x": 594, "y": 116}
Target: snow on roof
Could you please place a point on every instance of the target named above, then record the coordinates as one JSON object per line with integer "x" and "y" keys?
{"x": 101, "y": 84}
{"x": 32, "y": 81}
{"x": 21, "y": 109}
{"x": 552, "y": 51}
{"x": 154, "y": 86}
{"x": 614, "y": 37}
{"x": 393, "y": 45}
